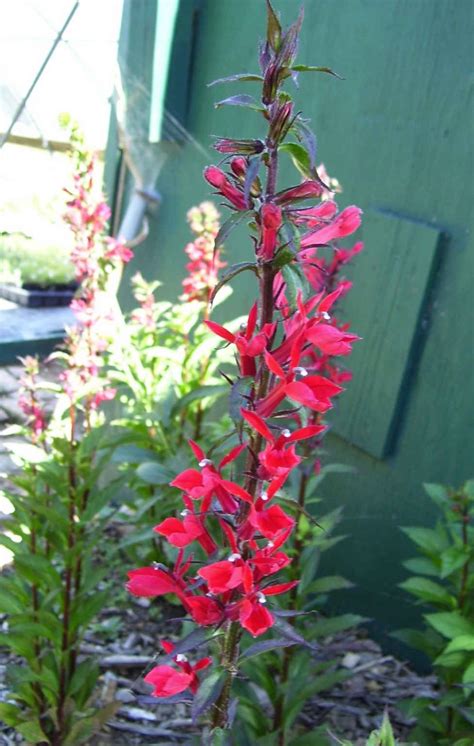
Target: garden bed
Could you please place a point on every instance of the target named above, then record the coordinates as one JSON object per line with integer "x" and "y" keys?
{"x": 351, "y": 709}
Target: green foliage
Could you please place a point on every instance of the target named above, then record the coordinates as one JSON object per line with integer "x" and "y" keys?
{"x": 58, "y": 585}
{"x": 292, "y": 654}
{"x": 168, "y": 385}
{"x": 444, "y": 581}
{"x": 40, "y": 260}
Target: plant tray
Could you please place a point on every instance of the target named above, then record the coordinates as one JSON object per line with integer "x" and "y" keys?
{"x": 36, "y": 297}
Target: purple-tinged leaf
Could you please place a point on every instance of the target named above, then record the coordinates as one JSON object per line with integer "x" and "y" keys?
{"x": 264, "y": 56}
{"x": 232, "y": 711}
{"x": 285, "y": 613}
{"x": 235, "y": 78}
{"x": 264, "y": 646}
{"x": 313, "y": 69}
{"x": 208, "y": 692}
{"x": 193, "y": 641}
{"x": 241, "y": 99}
{"x": 307, "y": 138}
{"x": 228, "y": 226}
{"x": 291, "y": 634}
{"x": 239, "y": 397}
{"x": 232, "y": 272}
{"x": 289, "y": 44}
{"x": 250, "y": 175}
{"x": 273, "y": 28}
{"x": 147, "y": 699}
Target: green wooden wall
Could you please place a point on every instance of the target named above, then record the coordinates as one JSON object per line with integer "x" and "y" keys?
{"x": 396, "y": 133}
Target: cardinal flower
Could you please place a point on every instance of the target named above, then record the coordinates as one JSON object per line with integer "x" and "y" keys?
{"x": 167, "y": 681}
{"x": 249, "y": 345}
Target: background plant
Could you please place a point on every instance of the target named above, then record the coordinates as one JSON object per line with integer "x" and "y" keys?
{"x": 444, "y": 581}
{"x": 231, "y": 514}
{"x": 58, "y": 582}
{"x": 168, "y": 382}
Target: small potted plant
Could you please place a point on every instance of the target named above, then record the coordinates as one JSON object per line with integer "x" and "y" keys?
{"x": 36, "y": 271}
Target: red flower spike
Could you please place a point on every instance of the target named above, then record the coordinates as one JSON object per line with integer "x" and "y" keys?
{"x": 257, "y": 423}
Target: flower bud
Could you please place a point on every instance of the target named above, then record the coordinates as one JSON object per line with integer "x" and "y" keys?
{"x": 307, "y": 190}
{"x": 244, "y": 147}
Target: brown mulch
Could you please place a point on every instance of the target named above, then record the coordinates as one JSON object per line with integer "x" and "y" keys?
{"x": 125, "y": 641}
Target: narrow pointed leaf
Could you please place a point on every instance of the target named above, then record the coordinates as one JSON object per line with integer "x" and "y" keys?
{"x": 264, "y": 646}
{"x": 315, "y": 69}
{"x": 237, "y": 78}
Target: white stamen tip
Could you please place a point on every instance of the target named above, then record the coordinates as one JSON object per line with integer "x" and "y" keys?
{"x": 270, "y": 545}
{"x": 185, "y": 512}
{"x": 261, "y": 598}
{"x": 326, "y": 315}
{"x": 204, "y": 462}
{"x": 180, "y": 658}
{"x": 286, "y": 433}
{"x": 302, "y": 371}
{"x": 210, "y": 595}
{"x": 233, "y": 557}
{"x": 264, "y": 496}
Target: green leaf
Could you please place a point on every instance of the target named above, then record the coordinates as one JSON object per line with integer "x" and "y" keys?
{"x": 335, "y": 624}
{"x": 208, "y": 692}
{"x": 313, "y": 69}
{"x": 422, "y": 566}
{"x": 453, "y": 559}
{"x": 153, "y": 472}
{"x": 438, "y": 493}
{"x": 233, "y": 271}
{"x": 450, "y": 624}
{"x": 296, "y": 283}
{"x": 329, "y": 583}
{"x": 239, "y": 77}
{"x": 427, "y": 538}
{"x": 31, "y": 731}
{"x": 199, "y": 393}
{"x": 10, "y": 714}
{"x": 429, "y": 591}
{"x": 299, "y": 156}
{"x": 461, "y": 643}
{"x": 468, "y": 676}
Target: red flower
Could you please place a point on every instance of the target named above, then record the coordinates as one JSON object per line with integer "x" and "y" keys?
{"x": 248, "y": 345}
{"x": 271, "y": 217}
{"x": 223, "y": 184}
{"x": 255, "y": 617}
{"x": 167, "y": 681}
{"x": 222, "y": 576}
{"x": 331, "y": 340}
{"x": 344, "y": 224}
{"x": 271, "y": 521}
{"x": 205, "y": 610}
{"x": 181, "y": 533}
{"x": 150, "y": 581}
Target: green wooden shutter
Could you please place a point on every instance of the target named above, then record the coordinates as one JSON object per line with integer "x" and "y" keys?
{"x": 392, "y": 279}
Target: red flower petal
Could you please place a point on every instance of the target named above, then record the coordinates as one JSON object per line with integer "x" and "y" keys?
{"x": 149, "y": 581}
{"x": 167, "y": 681}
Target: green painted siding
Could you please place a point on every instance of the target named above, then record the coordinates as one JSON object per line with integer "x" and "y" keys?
{"x": 397, "y": 134}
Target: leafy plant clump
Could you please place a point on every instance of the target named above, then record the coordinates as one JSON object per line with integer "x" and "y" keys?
{"x": 444, "y": 581}
{"x": 59, "y": 579}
